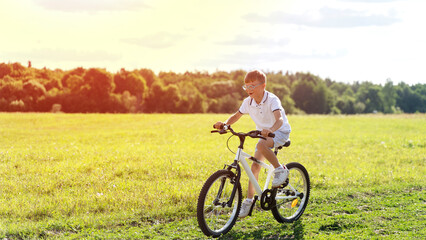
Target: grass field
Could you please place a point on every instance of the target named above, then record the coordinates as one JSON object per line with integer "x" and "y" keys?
{"x": 139, "y": 176}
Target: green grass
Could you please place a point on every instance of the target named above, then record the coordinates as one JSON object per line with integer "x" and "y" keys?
{"x": 138, "y": 176}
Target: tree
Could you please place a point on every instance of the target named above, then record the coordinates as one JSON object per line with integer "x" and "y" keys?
{"x": 34, "y": 89}
{"x": 289, "y": 105}
{"x": 5, "y": 69}
{"x": 99, "y": 81}
{"x": 131, "y": 82}
{"x": 322, "y": 100}
{"x": 11, "y": 90}
{"x": 238, "y": 76}
{"x": 11, "y": 95}
{"x": 197, "y": 105}
{"x": 302, "y": 96}
{"x": 284, "y": 94}
{"x": 228, "y": 103}
{"x": 148, "y": 75}
{"x": 346, "y": 104}
{"x": 163, "y": 99}
{"x": 96, "y": 90}
{"x": 388, "y": 94}
{"x": 171, "y": 98}
{"x": 78, "y": 72}
{"x": 420, "y": 89}
{"x": 18, "y": 71}
{"x": 219, "y": 89}
{"x": 408, "y": 100}
{"x": 74, "y": 83}
{"x": 278, "y": 78}
{"x": 130, "y": 102}
{"x": 370, "y": 95}
{"x": 359, "y": 107}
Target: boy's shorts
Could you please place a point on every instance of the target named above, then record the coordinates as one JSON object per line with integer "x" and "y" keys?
{"x": 280, "y": 138}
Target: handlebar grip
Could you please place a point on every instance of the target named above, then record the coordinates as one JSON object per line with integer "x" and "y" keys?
{"x": 271, "y": 135}
{"x": 221, "y": 126}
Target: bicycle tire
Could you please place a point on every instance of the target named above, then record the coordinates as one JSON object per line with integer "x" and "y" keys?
{"x": 214, "y": 218}
{"x": 285, "y": 210}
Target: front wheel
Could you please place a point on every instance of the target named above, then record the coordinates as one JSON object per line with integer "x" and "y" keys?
{"x": 214, "y": 215}
{"x": 291, "y": 201}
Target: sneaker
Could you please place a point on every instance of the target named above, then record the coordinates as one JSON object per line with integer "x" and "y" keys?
{"x": 245, "y": 208}
{"x": 281, "y": 174}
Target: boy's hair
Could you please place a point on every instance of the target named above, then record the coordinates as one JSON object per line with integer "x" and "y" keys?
{"x": 255, "y": 75}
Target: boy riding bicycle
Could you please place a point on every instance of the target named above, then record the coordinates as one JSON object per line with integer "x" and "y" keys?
{"x": 269, "y": 116}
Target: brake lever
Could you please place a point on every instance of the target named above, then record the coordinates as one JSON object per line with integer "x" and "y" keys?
{"x": 217, "y": 131}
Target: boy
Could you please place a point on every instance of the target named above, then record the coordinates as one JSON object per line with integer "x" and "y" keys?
{"x": 269, "y": 116}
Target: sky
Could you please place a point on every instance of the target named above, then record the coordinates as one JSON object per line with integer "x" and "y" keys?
{"x": 343, "y": 40}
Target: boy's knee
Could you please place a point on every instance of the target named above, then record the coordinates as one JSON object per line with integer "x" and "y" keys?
{"x": 262, "y": 145}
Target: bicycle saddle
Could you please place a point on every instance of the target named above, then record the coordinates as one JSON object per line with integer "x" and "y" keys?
{"x": 286, "y": 144}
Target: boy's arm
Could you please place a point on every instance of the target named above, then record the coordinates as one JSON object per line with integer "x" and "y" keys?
{"x": 279, "y": 121}
{"x": 231, "y": 120}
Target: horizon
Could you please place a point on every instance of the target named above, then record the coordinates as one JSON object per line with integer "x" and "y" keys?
{"x": 344, "y": 40}
{"x": 208, "y": 72}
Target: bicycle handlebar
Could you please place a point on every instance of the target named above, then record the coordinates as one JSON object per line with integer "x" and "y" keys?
{"x": 252, "y": 134}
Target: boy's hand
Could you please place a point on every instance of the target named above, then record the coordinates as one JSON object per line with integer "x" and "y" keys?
{"x": 265, "y": 132}
{"x": 218, "y": 125}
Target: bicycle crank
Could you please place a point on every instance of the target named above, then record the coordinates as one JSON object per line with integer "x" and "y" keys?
{"x": 267, "y": 200}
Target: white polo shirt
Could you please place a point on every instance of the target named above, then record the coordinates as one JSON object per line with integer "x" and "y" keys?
{"x": 263, "y": 113}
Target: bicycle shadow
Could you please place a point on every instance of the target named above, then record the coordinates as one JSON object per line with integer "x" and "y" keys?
{"x": 278, "y": 231}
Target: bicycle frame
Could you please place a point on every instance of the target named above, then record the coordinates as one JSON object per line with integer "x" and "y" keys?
{"x": 241, "y": 156}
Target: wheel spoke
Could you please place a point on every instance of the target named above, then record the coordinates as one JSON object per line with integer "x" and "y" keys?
{"x": 218, "y": 217}
{"x": 287, "y": 210}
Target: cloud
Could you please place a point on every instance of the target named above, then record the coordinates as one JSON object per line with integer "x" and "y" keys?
{"x": 91, "y": 5}
{"x": 158, "y": 40}
{"x": 329, "y": 18}
{"x": 60, "y": 55}
{"x": 246, "y": 40}
{"x": 243, "y": 59}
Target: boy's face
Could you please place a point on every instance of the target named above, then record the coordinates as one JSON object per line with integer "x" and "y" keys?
{"x": 255, "y": 89}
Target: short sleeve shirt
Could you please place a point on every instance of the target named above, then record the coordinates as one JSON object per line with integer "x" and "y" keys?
{"x": 263, "y": 113}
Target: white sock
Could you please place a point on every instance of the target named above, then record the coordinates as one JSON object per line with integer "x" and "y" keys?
{"x": 249, "y": 200}
{"x": 280, "y": 167}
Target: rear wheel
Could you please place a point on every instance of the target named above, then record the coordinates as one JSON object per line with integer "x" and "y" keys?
{"x": 291, "y": 201}
{"x": 214, "y": 215}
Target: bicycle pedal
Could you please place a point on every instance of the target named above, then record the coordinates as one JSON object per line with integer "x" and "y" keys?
{"x": 284, "y": 184}
{"x": 252, "y": 206}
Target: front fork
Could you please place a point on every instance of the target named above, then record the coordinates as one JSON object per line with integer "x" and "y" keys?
{"x": 234, "y": 180}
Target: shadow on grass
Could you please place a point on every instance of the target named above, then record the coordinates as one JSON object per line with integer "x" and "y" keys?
{"x": 278, "y": 231}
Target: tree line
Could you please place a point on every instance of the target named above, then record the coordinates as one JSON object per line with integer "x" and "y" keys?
{"x": 95, "y": 90}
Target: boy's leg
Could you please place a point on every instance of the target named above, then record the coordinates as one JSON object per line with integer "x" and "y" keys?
{"x": 264, "y": 148}
{"x": 255, "y": 168}
{"x": 281, "y": 172}
{"x": 248, "y": 202}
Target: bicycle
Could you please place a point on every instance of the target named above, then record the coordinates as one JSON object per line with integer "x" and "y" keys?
{"x": 220, "y": 198}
